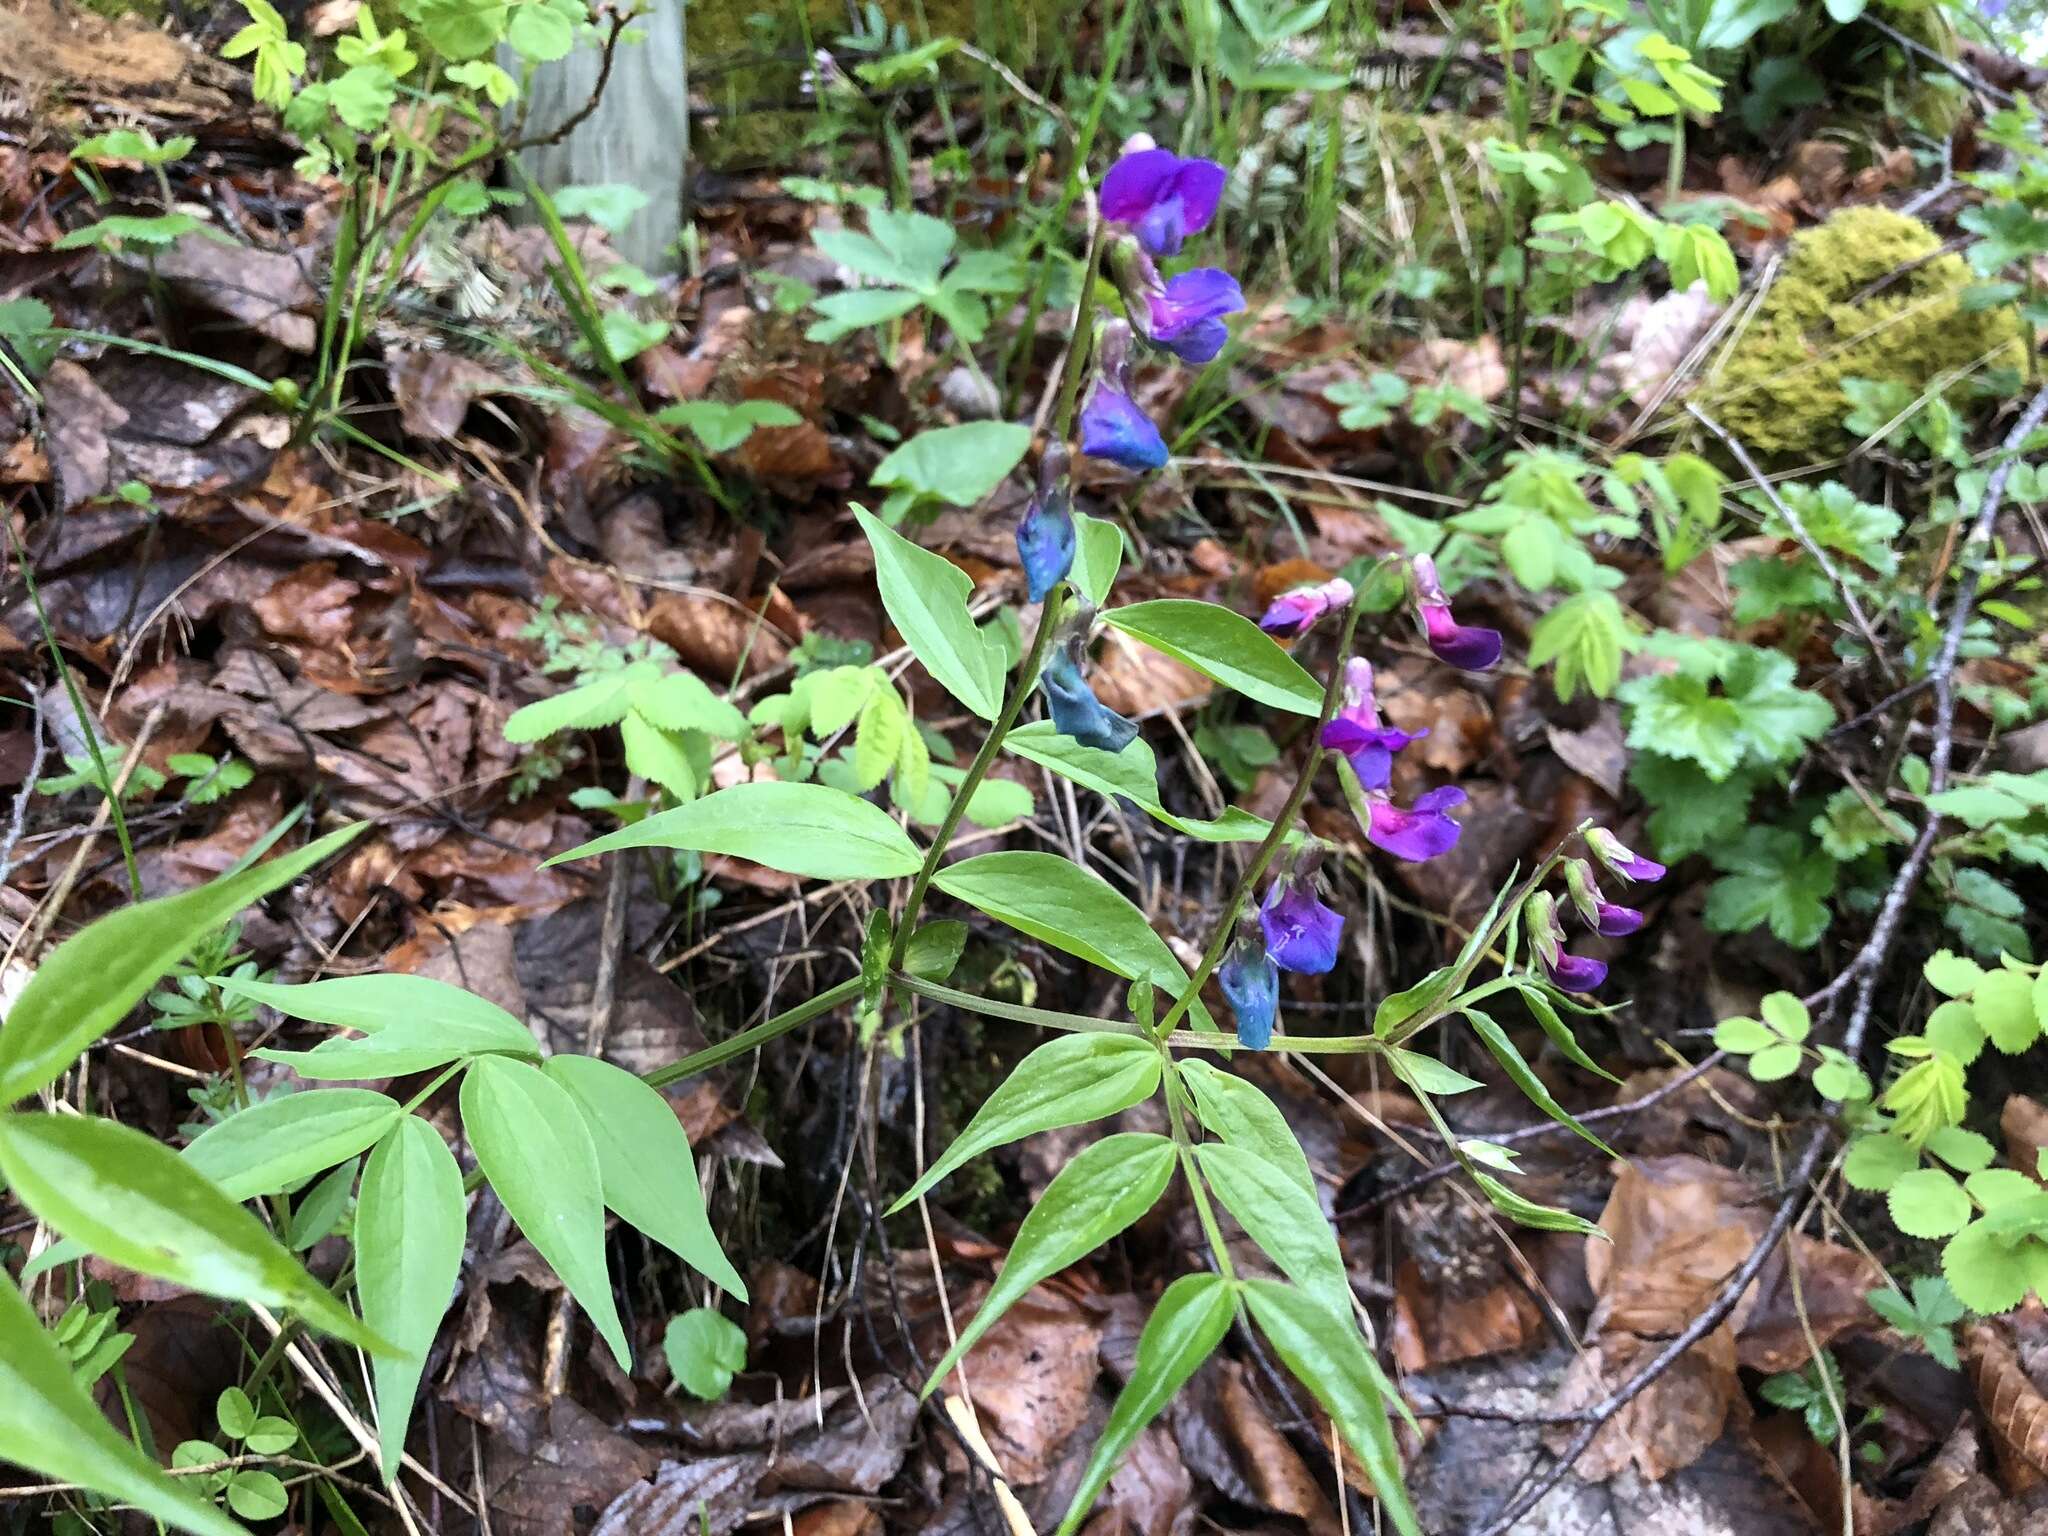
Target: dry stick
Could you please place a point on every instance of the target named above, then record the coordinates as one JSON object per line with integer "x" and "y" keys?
{"x": 39, "y": 742}
{"x": 1866, "y": 968}
{"x": 1806, "y": 540}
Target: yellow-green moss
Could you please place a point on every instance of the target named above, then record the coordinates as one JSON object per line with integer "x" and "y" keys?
{"x": 1863, "y": 296}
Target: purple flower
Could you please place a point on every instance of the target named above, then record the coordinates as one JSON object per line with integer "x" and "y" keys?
{"x": 1296, "y": 612}
{"x": 1251, "y": 983}
{"x": 1045, "y": 536}
{"x": 1625, "y": 862}
{"x": 1355, "y": 729}
{"x": 1606, "y": 918}
{"x": 1301, "y": 933}
{"x": 1422, "y": 831}
{"x": 1576, "y": 973}
{"x": 1075, "y": 710}
{"x": 1185, "y": 313}
{"x": 1615, "y": 922}
{"x": 1112, "y": 426}
{"x": 1161, "y": 196}
{"x": 1465, "y": 646}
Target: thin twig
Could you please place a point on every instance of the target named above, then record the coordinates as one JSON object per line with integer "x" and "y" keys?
{"x": 19, "y": 818}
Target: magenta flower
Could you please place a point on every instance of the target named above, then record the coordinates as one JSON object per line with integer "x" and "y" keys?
{"x": 1296, "y": 612}
{"x": 1251, "y": 983}
{"x": 1301, "y": 933}
{"x": 1185, "y": 314}
{"x": 1162, "y": 197}
{"x": 1608, "y": 849}
{"x": 1422, "y": 831}
{"x": 1355, "y": 729}
{"x": 1465, "y": 646}
{"x": 1577, "y": 973}
{"x": 1112, "y": 426}
{"x": 1574, "y": 973}
{"x": 1604, "y": 917}
{"x": 1045, "y": 535}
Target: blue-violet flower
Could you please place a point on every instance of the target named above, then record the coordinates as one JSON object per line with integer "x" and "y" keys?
{"x": 1355, "y": 729}
{"x": 1606, "y": 918}
{"x": 1301, "y": 933}
{"x": 1574, "y": 973}
{"x": 1251, "y": 983}
{"x": 1296, "y": 612}
{"x": 1465, "y": 646}
{"x": 1075, "y": 710}
{"x": 1422, "y": 831}
{"x": 1045, "y": 536}
{"x": 1185, "y": 314}
{"x": 1112, "y": 426}
{"x": 1162, "y": 197}
{"x": 1623, "y": 861}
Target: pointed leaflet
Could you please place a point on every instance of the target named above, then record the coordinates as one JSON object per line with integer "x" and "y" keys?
{"x": 658, "y": 756}
{"x": 410, "y": 1045}
{"x": 84, "y": 986}
{"x": 1132, "y": 774}
{"x": 1071, "y": 909}
{"x": 1183, "y": 1330}
{"x": 1225, "y": 647}
{"x": 410, "y": 1224}
{"x": 273, "y": 1145}
{"x": 1067, "y": 1081}
{"x": 49, "y": 1425}
{"x": 800, "y": 829}
{"x": 1098, "y": 551}
{"x": 1101, "y": 1191}
{"x": 926, "y": 598}
{"x": 1525, "y": 1078}
{"x": 369, "y": 1003}
{"x": 1326, "y": 1352}
{"x": 644, "y": 1163}
{"x": 1284, "y": 1219}
{"x": 1242, "y": 1115}
{"x": 132, "y": 1200}
{"x": 530, "y": 1141}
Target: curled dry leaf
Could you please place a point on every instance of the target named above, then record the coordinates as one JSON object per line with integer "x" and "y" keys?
{"x": 2014, "y": 1407}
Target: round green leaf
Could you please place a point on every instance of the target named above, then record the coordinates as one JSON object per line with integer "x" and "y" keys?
{"x": 1964, "y": 1151}
{"x": 1951, "y": 973}
{"x": 705, "y": 1350}
{"x": 271, "y": 1436}
{"x": 1953, "y": 1028}
{"x": 1839, "y": 1079}
{"x": 537, "y": 33}
{"x": 1742, "y": 1036}
{"x": 1787, "y": 1015}
{"x": 1928, "y": 1203}
{"x": 1775, "y": 1062}
{"x": 1877, "y": 1162}
{"x": 235, "y": 1414}
{"x": 2004, "y": 1002}
{"x": 1986, "y": 1275}
{"x": 256, "y": 1495}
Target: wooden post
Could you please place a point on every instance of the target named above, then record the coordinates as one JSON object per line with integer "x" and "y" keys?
{"x": 639, "y": 134}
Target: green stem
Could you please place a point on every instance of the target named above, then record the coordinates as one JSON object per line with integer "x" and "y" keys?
{"x": 1027, "y": 679}
{"x": 1016, "y": 1013}
{"x": 1082, "y": 344}
{"x": 1226, "y": 930}
{"x": 1177, "y": 1108}
{"x": 760, "y": 1034}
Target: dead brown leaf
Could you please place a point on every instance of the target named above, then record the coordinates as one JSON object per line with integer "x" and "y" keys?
{"x": 435, "y": 388}
{"x": 1031, "y": 1377}
{"x": 81, "y": 417}
{"x": 2024, "y": 1125}
{"x": 716, "y": 635}
{"x": 268, "y": 291}
{"x": 2013, "y": 1406}
{"x": 1136, "y": 680}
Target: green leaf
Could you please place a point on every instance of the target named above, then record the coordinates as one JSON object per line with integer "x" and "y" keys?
{"x": 1240, "y": 1113}
{"x": 410, "y": 1227}
{"x": 272, "y": 1145}
{"x": 271, "y": 1436}
{"x": 1928, "y": 1203}
{"x": 1678, "y": 716}
{"x": 1326, "y": 1352}
{"x": 2004, "y": 1002}
{"x": 1098, "y": 551}
{"x": 1953, "y": 1028}
{"x": 1878, "y": 1161}
{"x": 1953, "y": 974}
{"x": 317, "y": 1212}
{"x": 1963, "y": 1150}
{"x": 1689, "y": 810}
{"x": 1776, "y": 876}
{"x": 1774, "y": 1063}
{"x": 1532, "y": 993}
{"x": 705, "y": 1349}
{"x": 934, "y": 950}
{"x": 1544, "y": 1218}
{"x": 1742, "y": 1036}
{"x": 600, "y": 702}
{"x": 658, "y": 757}
{"x": 801, "y": 829}
{"x": 256, "y": 1495}
{"x": 410, "y": 1045}
{"x": 539, "y": 33}
{"x": 1586, "y": 635}
{"x": 1990, "y": 1275}
{"x": 234, "y": 1413}
{"x": 1068, "y": 907}
{"x": 1190, "y": 1320}
{"x": 132, "y": 1200}
{"x": 856, "y": 309}
{"x": 1132, "y": 774}
{"x": 961, "y": 465}
{"x": 50, "y": 1425}
{"x": 1225, "y": 647}
{"x": 1524, "y": 1077}
{"x": 1426, "y": 1074}
{"x": 369, "y": 1003}
{"x": 1397, "y": 1008}
{"x": 1285, "y": 1220}
{"x": 644, "y": 1163}
{"x": 530, "y": 1141}
{"x": 88, "y": 983}
{"x": 1101, "y": 1191}
{"x": 926, "y": 599}
{"x": 1070, "y": 1080}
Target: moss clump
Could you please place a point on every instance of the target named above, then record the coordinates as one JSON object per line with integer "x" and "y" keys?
{"x": 1863, "y": 296}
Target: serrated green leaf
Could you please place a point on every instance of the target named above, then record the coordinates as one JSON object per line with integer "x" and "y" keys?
{"x": 530, "y": 1140}
{"x": 1927, "y": 1202}
{"x": 2004, "y": 1005}
{"x": 1989, "y": 1275}
{"x": 1101, "y": 1191}
{"x": 1876, "y": 1162}
{"x": 601, "y": 702}
{"x": 1951, "y": 973}
{"x": 1964, "y": 1151}
{"x": 961, "y": 466}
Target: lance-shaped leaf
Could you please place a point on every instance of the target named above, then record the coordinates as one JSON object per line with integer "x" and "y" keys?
{"x": 1183, "y": 1330}
{"x": 1524, "y": 1077}
{"x": 1132, "y": 774}
{"x": 409, "y": 1045}
{"x": 85, "y": 986}
{"x": 1326, "y": 1352}
{"x": 273, "y": 1145}
{"x": 132, "y": 1200}
{"x": 49, "y": 1425}
{"x": 926, "y": 599}
{"x": 644, "y": 1163}
{"x": 1067, "y": 1081}
{"x": 1242, "y": 1115}
{"x": 1225, "y": 647}
{"x": 1063, "y": 905}
{"x": 1282, "y": 1217}
{"x": 1098, "y": 551}
{"x": 410, "y": 1223}
{"x": 1101, "y": 1191}
{"x": 369, "y": 1004}
{"x": 800, "y": 829}
{"x": 530, "y": 1141}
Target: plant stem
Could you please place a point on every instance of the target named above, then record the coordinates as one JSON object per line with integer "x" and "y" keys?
{"x": 760, "y": 1034}
{"x": 1176, "y": 1105}
{"x": 1226, "y": 929}
{"x": 1027, "y": 679}
{"x": 1082, "y": 342}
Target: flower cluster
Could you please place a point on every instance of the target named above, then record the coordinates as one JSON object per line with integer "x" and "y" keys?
{"x": 1295, "y": 931}
{"x": 1582, "y": 973}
